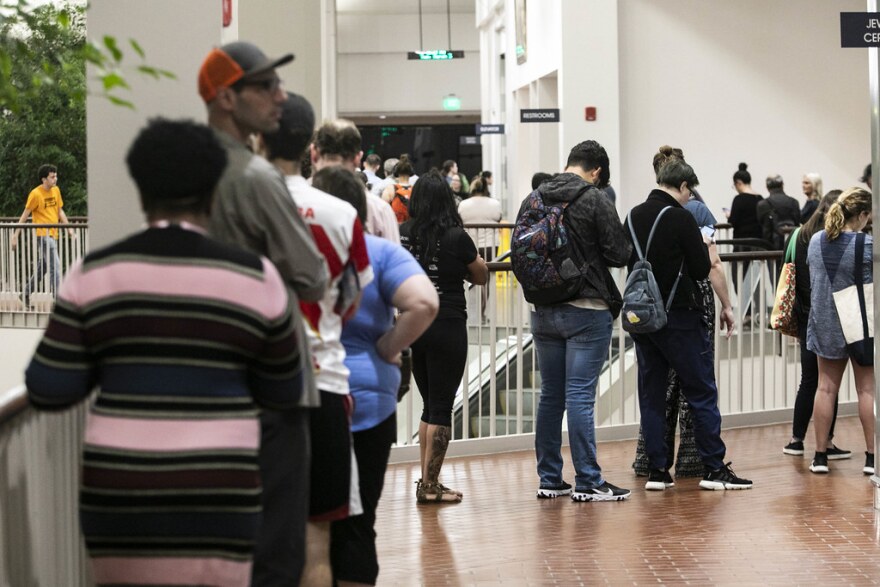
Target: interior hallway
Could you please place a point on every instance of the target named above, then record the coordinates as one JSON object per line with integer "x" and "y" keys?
{"x": 792, "y": 528}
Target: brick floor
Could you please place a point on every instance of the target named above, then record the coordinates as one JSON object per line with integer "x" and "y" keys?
{"x": 792, "y": 528}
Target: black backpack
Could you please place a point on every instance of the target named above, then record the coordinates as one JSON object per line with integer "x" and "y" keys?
{"x": 777, "y": 226}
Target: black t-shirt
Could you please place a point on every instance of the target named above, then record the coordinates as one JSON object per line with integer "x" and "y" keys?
{"x": 447, "y": 268}
{"x": 744, "y": 216}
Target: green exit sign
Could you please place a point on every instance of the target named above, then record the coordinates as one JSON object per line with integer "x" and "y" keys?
{"x": 434, "y": 55}
{"x": 451, "y": 103}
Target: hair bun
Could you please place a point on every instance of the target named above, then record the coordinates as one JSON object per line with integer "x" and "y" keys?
{"x": 743, "y": 166}
{"x": 666, "y": 150}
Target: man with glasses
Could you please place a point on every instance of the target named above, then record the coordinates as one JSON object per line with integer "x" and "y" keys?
{"x": 45, "y": 204}
{"x": 254, "y": 210}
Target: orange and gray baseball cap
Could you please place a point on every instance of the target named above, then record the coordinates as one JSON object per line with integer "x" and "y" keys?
{"x": 234, "y": 62}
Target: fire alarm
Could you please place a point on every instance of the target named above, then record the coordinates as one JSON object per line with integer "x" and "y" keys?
{"x": 590, "y": 113}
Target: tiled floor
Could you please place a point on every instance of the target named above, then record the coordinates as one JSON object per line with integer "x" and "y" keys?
{"x": 792, "y": 528}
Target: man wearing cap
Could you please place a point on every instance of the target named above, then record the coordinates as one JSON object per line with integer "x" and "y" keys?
{"x": 253, "y": 209}
{"x": 335, "y": 492}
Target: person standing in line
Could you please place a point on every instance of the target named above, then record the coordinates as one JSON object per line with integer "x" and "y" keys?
{"x": 481, "y": 208}
{"x": 338, "y": 232}
{"x": 253, "y": 209}
{"x": 184, "y": 337}
{"x": 812, "y": 187}
{"x": 678, "y": 255}
{"x": 866, "y": 177}
{"x": 572, "y": 338}
{"x": 806, "y": 393}
{"x": 678, "y": 413}
{"x": 45, "y": 204}
{"x": 831, "y": 257}
{"x": 435, "y": 236}
{"x": 777, "y": 210}
{"x": 372, "y": 162}
{"x": 373, "y": 342}
{"x": 339, "y": 143}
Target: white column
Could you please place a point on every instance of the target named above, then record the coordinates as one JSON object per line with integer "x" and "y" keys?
{"x": 175, "y": 36}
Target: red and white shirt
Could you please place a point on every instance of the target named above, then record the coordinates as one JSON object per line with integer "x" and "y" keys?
{"x": 340, "y": 238}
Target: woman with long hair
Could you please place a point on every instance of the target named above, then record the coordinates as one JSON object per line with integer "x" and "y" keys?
{"x": 435, "y": 236}
{"x": 803, "y": 403}
{"x": 832, "y": 260}
{"x": 812, "y": 187}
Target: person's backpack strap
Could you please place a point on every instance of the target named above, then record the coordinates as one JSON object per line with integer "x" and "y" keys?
{"x": 648, "y": 247}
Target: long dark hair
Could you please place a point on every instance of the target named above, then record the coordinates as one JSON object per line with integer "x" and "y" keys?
{"x": 432, "y": 211}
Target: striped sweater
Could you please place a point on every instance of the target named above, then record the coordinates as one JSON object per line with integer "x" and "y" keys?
{"x": 183, "y": 338}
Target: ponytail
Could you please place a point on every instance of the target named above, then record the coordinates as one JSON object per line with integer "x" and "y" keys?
{"x": 850, "y": 204}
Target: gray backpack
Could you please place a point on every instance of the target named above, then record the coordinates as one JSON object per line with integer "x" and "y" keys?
{"x": 643, "y": 310}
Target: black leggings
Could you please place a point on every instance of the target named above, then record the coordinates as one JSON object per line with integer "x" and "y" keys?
{"x": 353, "y": 540}
{"x": 439, "y": 358}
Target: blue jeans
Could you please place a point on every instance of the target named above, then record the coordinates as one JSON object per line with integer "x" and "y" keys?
{"x": 47, "y": 259}
{"x": 572, "y": 345}
{"x": 682, "y": 345}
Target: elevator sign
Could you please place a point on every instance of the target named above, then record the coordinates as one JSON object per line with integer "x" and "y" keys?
{"x": 860, "y": 29}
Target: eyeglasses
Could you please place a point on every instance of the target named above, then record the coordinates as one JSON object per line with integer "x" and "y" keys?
{"x": 269, "y": 84}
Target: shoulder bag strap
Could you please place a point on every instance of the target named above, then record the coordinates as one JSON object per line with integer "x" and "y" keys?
{"x": 790, "y": 249}
{"x": 858, "y": 277}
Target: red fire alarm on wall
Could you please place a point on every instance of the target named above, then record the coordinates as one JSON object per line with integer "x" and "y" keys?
{"x": 227, "y": 13}
{"x": 590, "y": 113}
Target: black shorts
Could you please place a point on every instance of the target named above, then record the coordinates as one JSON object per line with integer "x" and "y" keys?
{"x": 334, "y": 494}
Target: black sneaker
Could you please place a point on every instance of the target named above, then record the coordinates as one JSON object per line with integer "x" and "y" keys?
{"x": 794, "y": 448}
{"x": 836, "y": 454}
{"x": 605, "y": 492}
{"x": 868, "y": 469}
{"x": 553, "y": 491}
{"x": 724, "y": 478}
{"x": 659, "y": 480}
{"x": 820, "y": 463}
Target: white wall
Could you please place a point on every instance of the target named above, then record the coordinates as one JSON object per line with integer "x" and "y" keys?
{"x": 288, "y": 26}
{"x": 760, "y": 81}
{"x": 374, "y": 76}
{"x": 175, "y": 36}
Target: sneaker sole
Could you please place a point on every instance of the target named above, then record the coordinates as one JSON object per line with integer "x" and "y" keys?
{"x": 794, "y": 452}
{"x": 839, "y": 457}
{"x": 594, "y": 497}
{"x": 552, "y": 493}
{"x": 719, "y": 486}
{"x": 868, "y": 470}
{"x": 819, "y": 469}
{"x": 658, "y": 486}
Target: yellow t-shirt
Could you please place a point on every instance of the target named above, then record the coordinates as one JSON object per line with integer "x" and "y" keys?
{"x": 44, "y": 206}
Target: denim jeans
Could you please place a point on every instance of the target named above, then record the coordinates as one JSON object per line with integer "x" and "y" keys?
{"x": 682, "y": 345}
{"x": 572, "y": 345}
{"x": 47, "y": 259}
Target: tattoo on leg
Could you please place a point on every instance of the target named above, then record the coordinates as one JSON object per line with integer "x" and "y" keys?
{"x": 440, "y": 442}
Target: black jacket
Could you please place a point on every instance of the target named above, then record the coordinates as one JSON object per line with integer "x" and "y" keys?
{"x": 785, "y": 207}
{"x": 677, "y": 238}
{"x": 595, "y": 228}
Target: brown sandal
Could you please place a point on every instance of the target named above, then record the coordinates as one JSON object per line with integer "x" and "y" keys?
{"x": 435, "y": 493}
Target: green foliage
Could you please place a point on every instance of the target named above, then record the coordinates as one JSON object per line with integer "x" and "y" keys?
{"x": 42, "y": 120}
{"x": 43, "y": 56}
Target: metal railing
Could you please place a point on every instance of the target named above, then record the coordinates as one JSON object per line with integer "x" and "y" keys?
{"x": 757, "y": 372}
{"x": 30, "y": 274}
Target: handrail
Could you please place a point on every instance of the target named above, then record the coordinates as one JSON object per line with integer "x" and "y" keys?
{"x": 12, "y": 403}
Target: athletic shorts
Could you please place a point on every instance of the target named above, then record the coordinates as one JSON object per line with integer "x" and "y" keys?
{"x": 335, "y": 491}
